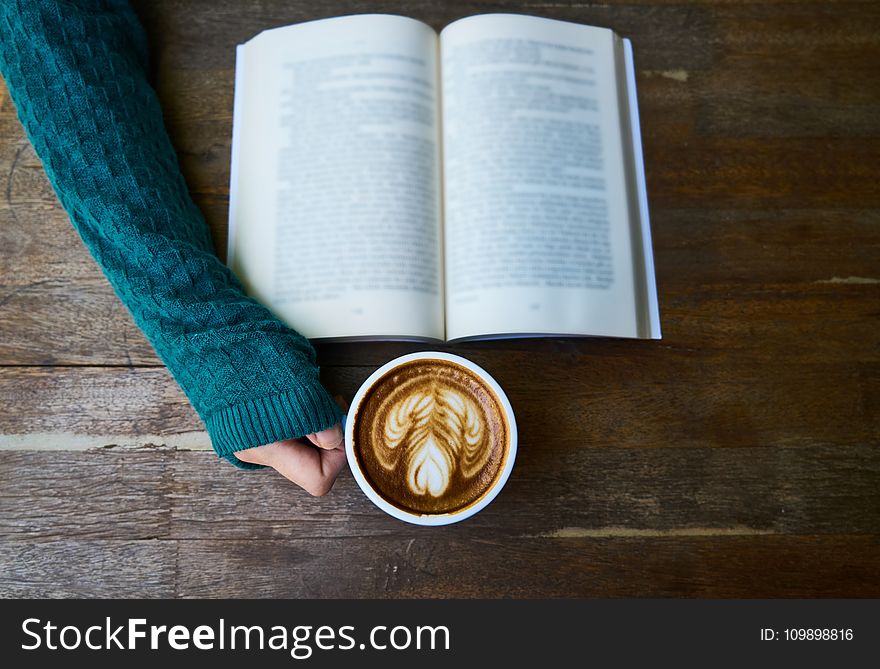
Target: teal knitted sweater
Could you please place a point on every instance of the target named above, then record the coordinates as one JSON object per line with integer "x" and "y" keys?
{"x": 77, "y": 72}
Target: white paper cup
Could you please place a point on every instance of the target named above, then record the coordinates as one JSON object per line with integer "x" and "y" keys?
{"x": 430, "y": 518}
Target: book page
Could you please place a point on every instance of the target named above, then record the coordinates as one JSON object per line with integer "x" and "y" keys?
{"x": 537, "y": 219}
{"x": 334, "y": 200}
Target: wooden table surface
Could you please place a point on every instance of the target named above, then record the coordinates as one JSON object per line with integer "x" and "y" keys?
{"x": 737, "y": 457}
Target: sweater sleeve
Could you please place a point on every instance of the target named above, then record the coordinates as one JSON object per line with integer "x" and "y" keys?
{"x": 77, "y": 73}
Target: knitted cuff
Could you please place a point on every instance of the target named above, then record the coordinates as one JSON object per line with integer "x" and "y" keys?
{"x": 300, "y": 411}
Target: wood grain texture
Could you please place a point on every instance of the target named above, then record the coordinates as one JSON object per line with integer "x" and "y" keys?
{"x": 584, "y": 399}
{"x": 108, "y": 495}
{"x": 149, "y": 493}
{"x": 87, "y": 568}
{"x": 610, "y": 522}
{"x": 737, "y": 457}
{"x": 786, "y": 491}
{"x": 431, "y": 566}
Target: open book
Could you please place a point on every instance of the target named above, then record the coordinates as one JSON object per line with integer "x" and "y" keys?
{"x": 487, "y": 182}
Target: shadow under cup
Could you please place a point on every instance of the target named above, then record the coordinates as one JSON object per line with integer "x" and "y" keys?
{"x": 430, "y": 438}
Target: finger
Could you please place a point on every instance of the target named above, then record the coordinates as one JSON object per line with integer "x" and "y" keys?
{"x": 328, "y": 439}
{"x": 258, "y": 455}
{"x": 312, "y": 469}
{"x": 332, "y": 462}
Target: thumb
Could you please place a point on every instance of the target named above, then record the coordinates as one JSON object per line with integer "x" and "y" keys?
{"x": 328, "y": 439}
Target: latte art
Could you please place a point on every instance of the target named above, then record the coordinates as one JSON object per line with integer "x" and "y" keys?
{"x": 430, "y": 436}
{"x": 433, "y": 431}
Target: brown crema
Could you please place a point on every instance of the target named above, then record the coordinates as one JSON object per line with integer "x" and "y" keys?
{"x": 431, "y": 437}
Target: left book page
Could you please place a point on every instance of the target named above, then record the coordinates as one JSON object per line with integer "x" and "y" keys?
{"x": 334, "y": 212}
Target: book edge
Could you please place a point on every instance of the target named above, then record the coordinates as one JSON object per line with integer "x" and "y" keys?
{"x": 237, "y": 103}
{"x": 647, "y": 250}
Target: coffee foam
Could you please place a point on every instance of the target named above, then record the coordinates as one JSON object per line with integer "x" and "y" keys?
{"x": 430, "y": 437}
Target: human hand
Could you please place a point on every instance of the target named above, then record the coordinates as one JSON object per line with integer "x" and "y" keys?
{"x": 312, "y": 462}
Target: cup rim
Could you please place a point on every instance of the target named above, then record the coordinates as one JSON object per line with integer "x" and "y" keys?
{"x": 437, "y": 518}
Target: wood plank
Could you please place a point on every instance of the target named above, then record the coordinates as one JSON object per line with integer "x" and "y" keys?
{"x": 431, "y": 565}
{"x": 604, "y": 398}
{"x": 104, "y": 403}
{"x": 677, "y": 28}
{"x": 575, "y": 491}
{"x": 120, "y": 494}
{"x": 87, "y": 568}
{"x": 58, "y": 322}
{"x": 764, "y": 172}
{"x": 112, "y": 494}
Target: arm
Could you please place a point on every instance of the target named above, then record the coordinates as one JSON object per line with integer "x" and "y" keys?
{"x": 77, "y": 72}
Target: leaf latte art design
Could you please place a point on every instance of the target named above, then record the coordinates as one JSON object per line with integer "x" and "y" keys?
{"x": 433, "y": 432}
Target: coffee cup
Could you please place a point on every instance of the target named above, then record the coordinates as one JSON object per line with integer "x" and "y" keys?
{"x": 430, "y": 438}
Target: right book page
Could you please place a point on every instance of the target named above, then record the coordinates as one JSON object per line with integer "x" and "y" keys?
{"x": 543, "y": 229}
